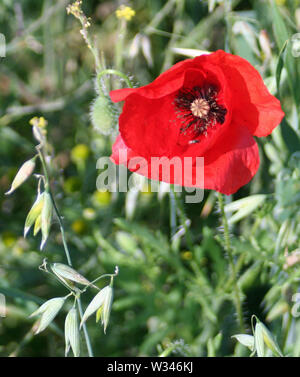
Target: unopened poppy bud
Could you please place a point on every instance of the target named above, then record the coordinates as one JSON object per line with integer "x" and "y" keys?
{"x": 24, "y": 172}
{"x": 34, "y": 213}
{"x": 49, "y": 310}
{"x": 46, "y": 217}
{"x": 102, "y": 115}
{"x": 72, "y": 337}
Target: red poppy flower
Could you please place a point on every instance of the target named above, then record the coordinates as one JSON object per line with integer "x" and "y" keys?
{"x": 210, "y": 106}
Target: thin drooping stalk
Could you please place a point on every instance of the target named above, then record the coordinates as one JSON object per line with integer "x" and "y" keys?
{"x": 228, "y": 248}
{"x": 67, "y": 252}
{"x": 114, "y": 72}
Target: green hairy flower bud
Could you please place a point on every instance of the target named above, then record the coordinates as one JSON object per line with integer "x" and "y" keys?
{"x": 102, "y": 115}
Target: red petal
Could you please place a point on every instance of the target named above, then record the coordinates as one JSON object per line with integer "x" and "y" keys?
{"x": 254, "y": 106}
{"x": 151, "y": 127}
{"x": 168, "y": 82}
{"x": 147, "y": 125}
{"x": 120, "y": 145}
{"x": 232, "y": 162}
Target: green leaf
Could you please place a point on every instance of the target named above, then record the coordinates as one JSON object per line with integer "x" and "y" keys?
{"x": 280, "y": 65}
{"x": 282, "y": 35}
{"x": 290, "y": 137}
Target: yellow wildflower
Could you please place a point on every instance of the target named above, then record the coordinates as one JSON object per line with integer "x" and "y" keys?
{"x": 125, "y": 12}
{"x": 78, "y": 226}
{"x": 187, "y": 255}
{"x": 101, "y": 198}
{"x": 80, "y": 152}
{"x": 38, "y": 122}
{"x": 75, "y": 9}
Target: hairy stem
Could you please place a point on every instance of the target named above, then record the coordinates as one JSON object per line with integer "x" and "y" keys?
{"x": 114, "y": 72}
{"x": 228, "y": 249}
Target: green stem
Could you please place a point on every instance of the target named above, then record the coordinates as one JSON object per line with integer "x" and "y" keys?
{"x": 114, "y": 72}
{"x": 120, "y": 44}
{"x": 183, "y": 219}
{"x": 67, "y": 252}
{"x": 172, "y": 213}
{"x": 228, "y": 249}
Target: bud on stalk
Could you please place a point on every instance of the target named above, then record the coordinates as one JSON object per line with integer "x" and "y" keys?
{"x": 102, "y": 115}
{"x": 72, "y": 336}
{"x": 34, "y": 213}
{"x": 46, "y": 217}
{"x": 24, "y": 172}
{"x": 49, "y": 311}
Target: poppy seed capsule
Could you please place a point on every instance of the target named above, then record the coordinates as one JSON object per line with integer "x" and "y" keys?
{"x": 102, "y": 115}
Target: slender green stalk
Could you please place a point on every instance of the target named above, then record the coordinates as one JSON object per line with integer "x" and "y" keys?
{"x": 120, "y": 44}
{"x": 67, "y": 252}
{"x": 114, "y": 72}
{"x": 233, "y": 277}
{"x": 183, "y": 220}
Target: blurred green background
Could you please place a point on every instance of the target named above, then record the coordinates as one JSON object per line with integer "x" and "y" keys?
{"x": 169, "y": 290}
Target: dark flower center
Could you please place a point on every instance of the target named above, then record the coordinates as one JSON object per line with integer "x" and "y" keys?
{"x": 199, "y": 110}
